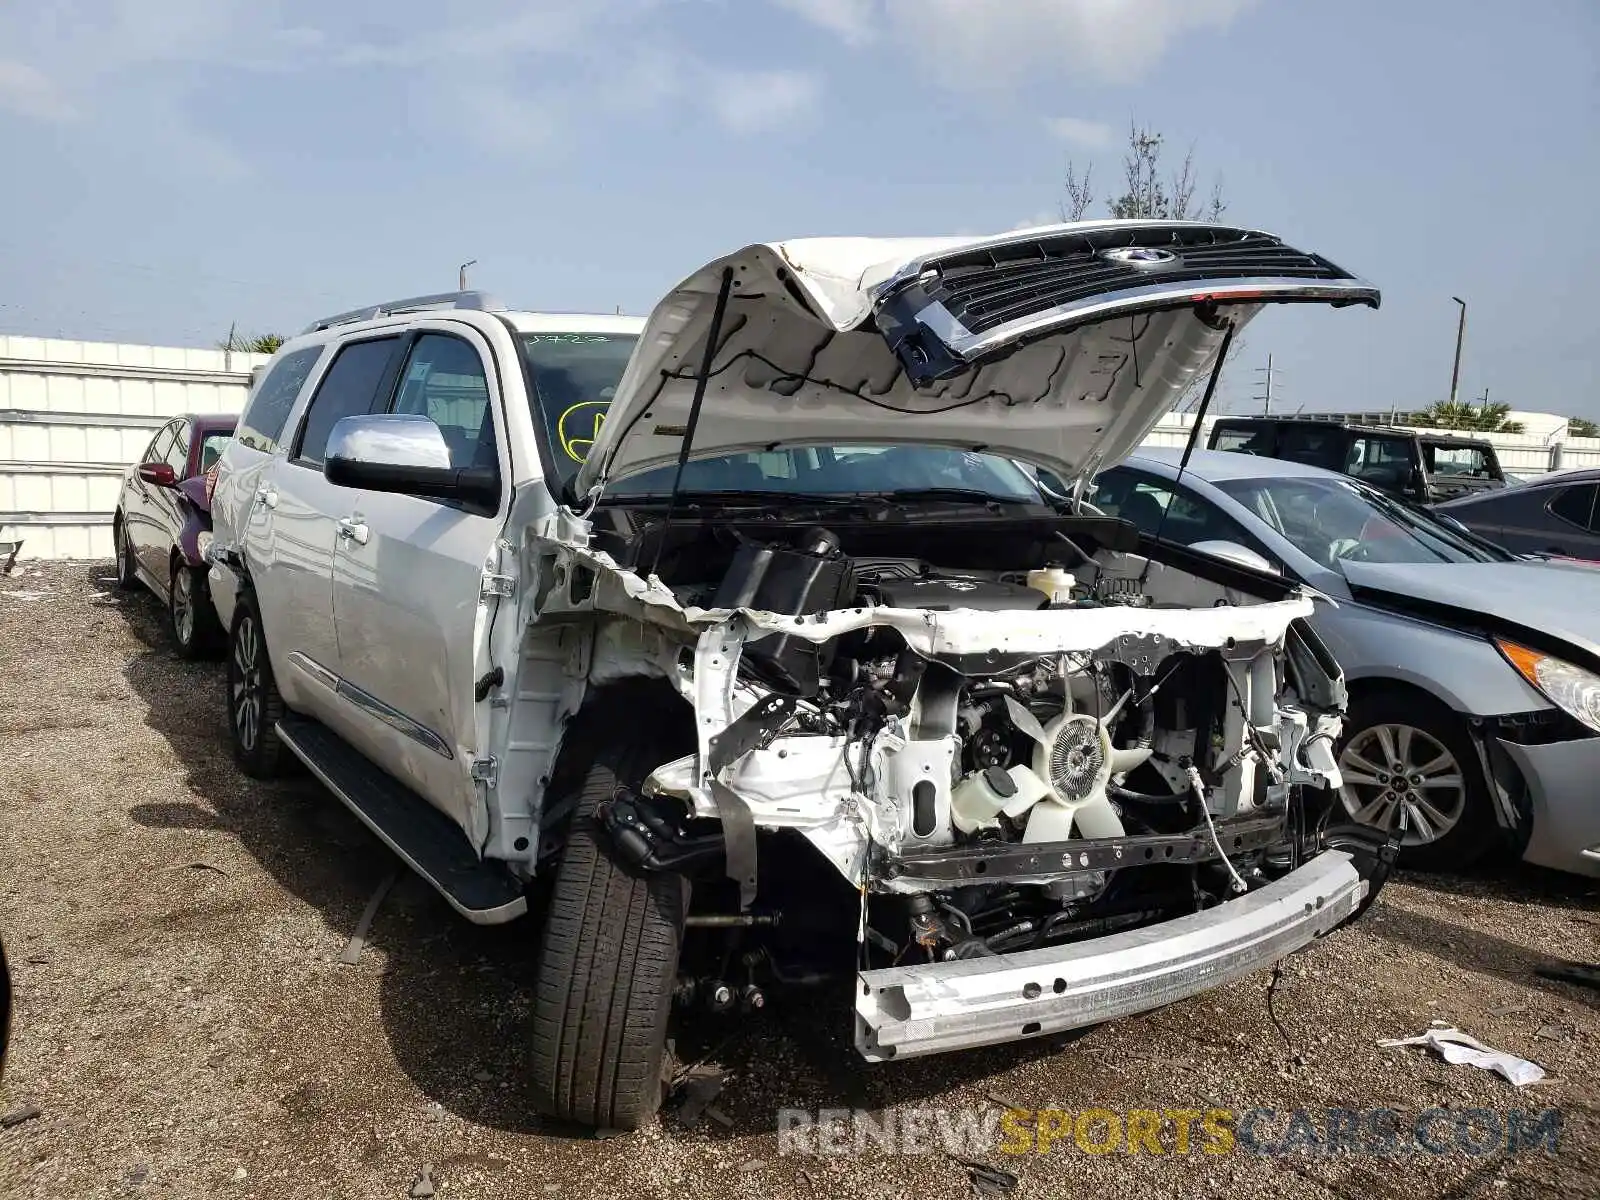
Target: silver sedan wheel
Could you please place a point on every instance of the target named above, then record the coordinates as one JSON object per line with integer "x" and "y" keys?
{"x": 245, "y": 684}
{"x": 183, "y": 605}
{"x": 1391, "y": 770}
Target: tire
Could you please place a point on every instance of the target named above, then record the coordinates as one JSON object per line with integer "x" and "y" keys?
{"x": 607, "y": 964}
{"x": 254, "y": 705}
{"x": 195, "y": 631}
{"x": 1420, "y": 732}
{"x": 127, "y": 580}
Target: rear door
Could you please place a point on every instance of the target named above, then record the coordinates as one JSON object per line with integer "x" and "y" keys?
{"x": 295, "y": 579}
{"x": 1568, "y": 522}
{"x": 409, "y": 603}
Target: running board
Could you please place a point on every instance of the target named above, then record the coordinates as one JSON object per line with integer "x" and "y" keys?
{"x": 432, "y": 845}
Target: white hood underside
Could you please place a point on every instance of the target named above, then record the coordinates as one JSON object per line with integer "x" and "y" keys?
{"x": 805, "y": 355}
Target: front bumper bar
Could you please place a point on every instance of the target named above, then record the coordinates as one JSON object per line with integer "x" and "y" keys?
{"x": 902, "y": 1012}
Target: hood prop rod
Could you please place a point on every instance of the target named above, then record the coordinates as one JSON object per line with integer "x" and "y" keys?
{"x": 713, "y": 343}
{"x": 1194, "y": 434}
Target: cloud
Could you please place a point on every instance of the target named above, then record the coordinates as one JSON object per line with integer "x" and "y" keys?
{"x": 28, "y": 91}
{"x": 854, "y": 21}
{"x": 757, "y": 101}
{"x": 1112, "y": 41}
{"x": 1076, "y": 131}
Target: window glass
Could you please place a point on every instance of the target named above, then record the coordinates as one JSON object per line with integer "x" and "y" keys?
{"x": 1457, "y": 460}
{"x": 349, "y": 389}
{"x": 843, "y": 471}
{"x": 1244, "y": 441}
{"x": 261, "y": 426}
{"x": 444, "y": 380}
{"x": 1314, "y": 445}
{"x": 178, "y": 453}
{"x": 1575, "y": 505}
{"x": 1334, "y": 521}
{"x": 1152, "y": 505}
{"x": 575, "y": 376}
{"x": 159, "y": 445}
{"x": 1384, "y": 462}
{"x": 211, "y": 448}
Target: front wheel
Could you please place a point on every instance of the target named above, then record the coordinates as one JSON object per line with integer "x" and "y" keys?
{"x": 1406, "y": 755}
{"x": 127, "y": 580}
{"x": 607, "y": 965}
{"x": 254, "y": 706}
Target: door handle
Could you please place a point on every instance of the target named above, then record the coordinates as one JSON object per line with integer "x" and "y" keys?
{"x": 353, "y": 529}
{"x": 266, "y": 498}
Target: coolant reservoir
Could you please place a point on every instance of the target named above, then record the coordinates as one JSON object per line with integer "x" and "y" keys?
{"x": 979, "y": 797}
{"x": 1055, "y": 582}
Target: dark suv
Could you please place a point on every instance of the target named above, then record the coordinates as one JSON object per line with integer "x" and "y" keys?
{"x": 1419, "y": 466}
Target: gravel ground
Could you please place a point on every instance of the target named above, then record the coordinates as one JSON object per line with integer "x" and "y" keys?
{"x": 186, "y": 1028}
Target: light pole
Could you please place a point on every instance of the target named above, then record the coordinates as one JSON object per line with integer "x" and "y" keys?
{"x": 1461, "y": 333}
{"x": 471, "y": 262}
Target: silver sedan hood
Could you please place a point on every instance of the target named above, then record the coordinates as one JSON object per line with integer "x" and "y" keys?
{"x": 1061, "y": 346}
{"x": 1558, "y": 599}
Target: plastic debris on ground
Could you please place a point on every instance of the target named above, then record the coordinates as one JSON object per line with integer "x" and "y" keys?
{"x": 1458, "y": 1047}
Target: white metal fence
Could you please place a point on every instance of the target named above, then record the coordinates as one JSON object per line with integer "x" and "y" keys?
{"x": 73, "y": 415}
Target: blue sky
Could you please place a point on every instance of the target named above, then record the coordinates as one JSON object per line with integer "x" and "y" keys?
{"x": 173, "y": 166}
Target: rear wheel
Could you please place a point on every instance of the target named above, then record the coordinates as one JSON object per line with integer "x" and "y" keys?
{"x": 254, "y": 706}
{"x": 608, "y": 962}
{"x": 1407, "y": 755}
{"x": 195, "y": 631}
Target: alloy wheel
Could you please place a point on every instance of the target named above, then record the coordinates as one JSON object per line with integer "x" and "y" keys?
{"x": 183, "y": 605}
{"x": 245, "y": 683}
{"x": 1394, "y": 769}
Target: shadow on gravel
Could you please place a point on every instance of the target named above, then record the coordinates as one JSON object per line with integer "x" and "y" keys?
{"x": 455, "y": 996}
{"x": 1519, "y": 882}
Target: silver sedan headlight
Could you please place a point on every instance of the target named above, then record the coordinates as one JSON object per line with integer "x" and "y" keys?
{"x": 1574, "y": 690}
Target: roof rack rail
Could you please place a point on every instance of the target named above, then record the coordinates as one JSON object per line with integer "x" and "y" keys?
{"x": 479, "y": 301}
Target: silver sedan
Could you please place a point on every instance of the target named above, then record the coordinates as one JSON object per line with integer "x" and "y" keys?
{"x": 1474, "y": 675}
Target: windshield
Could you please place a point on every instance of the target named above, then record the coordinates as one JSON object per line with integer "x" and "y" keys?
{"x": 1335, "y": 521}
{"x": 212, "y": 445}
{"x": 843, "y": 471}
{"x": 574, "y": 376}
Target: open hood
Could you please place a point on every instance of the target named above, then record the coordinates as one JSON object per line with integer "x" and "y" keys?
{"x": 1061, "y": 345}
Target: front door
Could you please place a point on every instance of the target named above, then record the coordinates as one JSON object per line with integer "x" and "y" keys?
{"x": 408, "y": 579}
{"x": 142, "y": 507}
{"x": 301, "y": 533}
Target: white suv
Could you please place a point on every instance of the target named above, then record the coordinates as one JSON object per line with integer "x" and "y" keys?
{"x": 744, "y": 628}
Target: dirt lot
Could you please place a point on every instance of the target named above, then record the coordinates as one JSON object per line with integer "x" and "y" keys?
{"x": 185, "y": 1026}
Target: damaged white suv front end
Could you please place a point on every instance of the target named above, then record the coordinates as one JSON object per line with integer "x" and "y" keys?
{"x": 1058, "y": 772}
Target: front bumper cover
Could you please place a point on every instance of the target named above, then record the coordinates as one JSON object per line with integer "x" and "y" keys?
{"x": 902, "y": 1012}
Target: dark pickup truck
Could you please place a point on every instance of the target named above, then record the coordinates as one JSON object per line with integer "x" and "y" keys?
{"x": 1417, "y": 465}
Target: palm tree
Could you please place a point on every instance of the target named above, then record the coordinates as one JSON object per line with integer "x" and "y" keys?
{"x": 260, "y": 343}
{"x": 1464, "y": 415}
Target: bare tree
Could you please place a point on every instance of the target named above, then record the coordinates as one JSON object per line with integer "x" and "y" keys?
{"x": 1080, "y": 193}
{"x": 1150, "y": 191}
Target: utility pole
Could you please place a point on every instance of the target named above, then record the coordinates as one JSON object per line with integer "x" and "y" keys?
{"x": 1461, "y": 335}
{"x": 471, "y": 262}
{"x": 1266, "y": 390}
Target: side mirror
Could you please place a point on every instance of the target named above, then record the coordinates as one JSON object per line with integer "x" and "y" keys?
{"x": 405, "y": 454}
{"x": 159, "y": 473}
{"x": 1418, "y": 484}
{"x": 1235, "y": 553}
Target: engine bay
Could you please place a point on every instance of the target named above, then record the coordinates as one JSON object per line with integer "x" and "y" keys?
{"x": 994, "y": 780}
